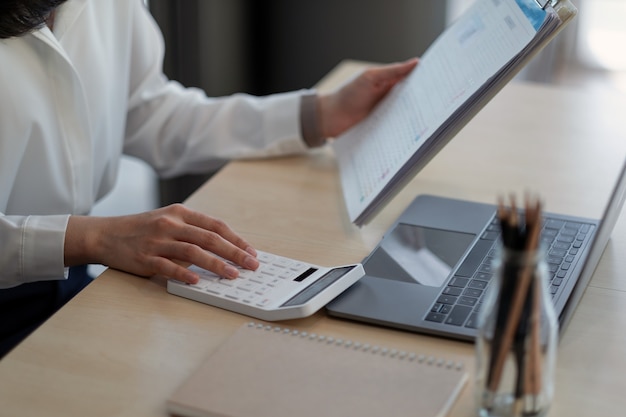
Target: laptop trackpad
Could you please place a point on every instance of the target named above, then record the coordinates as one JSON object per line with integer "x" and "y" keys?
{"x": 385, "y": 302}
{"x": 418, "y": 255}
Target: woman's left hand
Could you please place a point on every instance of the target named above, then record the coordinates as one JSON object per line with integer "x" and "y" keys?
{"x": 352, "y": 102}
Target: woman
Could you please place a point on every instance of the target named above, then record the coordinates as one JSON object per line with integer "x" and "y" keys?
{"x": 82, "y": 84}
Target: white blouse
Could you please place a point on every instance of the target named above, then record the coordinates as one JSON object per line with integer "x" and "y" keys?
{"x": 74, "y": 100}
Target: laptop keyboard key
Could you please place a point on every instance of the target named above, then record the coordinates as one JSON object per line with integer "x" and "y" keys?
{"x": 561, "y": 245}
{"x": 472, "y": 321}
{"x": 472, "y": 292}
{"x": 478, "y": 284}
{"x": 436, "y": 317}
{"x": 484, "y": 276}
{"x": 458, "y": 315}
{"x": 467, "y": 301}
{"x": 554, "y": 224}
{"x": 486, "y": 268}
{"x": 447, "y": 299}
{"x": 458, "y": 282}
{"x": 474, "y": 258}
{"x": 452, "y": 291}
{"x": 490, "y": 235}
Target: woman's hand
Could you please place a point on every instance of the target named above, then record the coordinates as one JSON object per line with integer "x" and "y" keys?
{"x": 158, "y": 242}
{"x": 352, "y": 102}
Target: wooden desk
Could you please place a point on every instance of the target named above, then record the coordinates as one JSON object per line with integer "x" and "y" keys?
{"x": 123, "y": 345}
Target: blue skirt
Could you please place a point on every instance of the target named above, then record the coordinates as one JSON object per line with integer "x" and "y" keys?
{"x": 27, "y": 306}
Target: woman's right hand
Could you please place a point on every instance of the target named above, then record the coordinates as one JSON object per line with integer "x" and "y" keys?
{"x": 159, "y": 242}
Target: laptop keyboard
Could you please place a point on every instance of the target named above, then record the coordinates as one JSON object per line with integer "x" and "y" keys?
{"x": 462, "y": 297}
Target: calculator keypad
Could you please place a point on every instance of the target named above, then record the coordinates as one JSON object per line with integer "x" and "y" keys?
{"x": 275, "y": 275}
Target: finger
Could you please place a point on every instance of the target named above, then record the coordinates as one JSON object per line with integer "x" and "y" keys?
{"x": 184, "y": 224}
{"x": 220, "y": 242}
{"x": 208, "y": 234}
{"x": 401, "y": 69}
{"x": 396, "y": 70}
{"x": 171, "y": 269}
{"x": 219, "y": 227}
{"x": 196, "y": 242}
{"x": 172, "y": 254}
{"x": 388, "y": 75}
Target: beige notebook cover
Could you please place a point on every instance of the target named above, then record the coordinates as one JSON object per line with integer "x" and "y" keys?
{"x": 275, "y": 372}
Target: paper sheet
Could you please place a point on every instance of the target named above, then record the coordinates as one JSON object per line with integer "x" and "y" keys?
{"x": 455, "y": 67}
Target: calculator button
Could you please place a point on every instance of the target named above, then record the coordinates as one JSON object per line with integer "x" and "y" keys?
{"x": 250, "y": 298}
{"x": 235, "y": 293}
{"x": 262, "y": 290}
{"x": 274, "y": 282}
{"x": 271, "y": 269}
{"x": 282, "y": 262}
{"x": 200, "y": 285}
{"x": 297, "y": 266}
{"x": 267, "y": 272}
{"x": 263, "y": 302}
{"x": 224, "y": 282}
{"x": 246, "y": 286}
{"x": 286, "y": 275}
{"x": 246, "y": 273}
{"x": 265, "y": 257}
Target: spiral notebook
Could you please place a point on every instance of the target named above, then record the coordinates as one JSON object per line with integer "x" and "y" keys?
{"x": 268, "y": 371}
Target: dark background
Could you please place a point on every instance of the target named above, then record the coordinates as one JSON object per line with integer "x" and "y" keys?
{"x": 267, "y": 46}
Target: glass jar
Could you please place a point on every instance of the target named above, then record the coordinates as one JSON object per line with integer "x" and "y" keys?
{"x": 517, "y": 338}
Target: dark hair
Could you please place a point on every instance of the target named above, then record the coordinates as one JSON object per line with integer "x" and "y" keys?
{"x": 18, "y": 17}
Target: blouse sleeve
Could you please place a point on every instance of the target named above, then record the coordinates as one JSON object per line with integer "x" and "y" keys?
{"x": 178, "y": 130}
{"x": 31, "y": 249}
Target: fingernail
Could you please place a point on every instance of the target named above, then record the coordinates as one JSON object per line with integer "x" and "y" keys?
{"x": 251, "y": 251}
{"x": 231, "y": 272}
{"x": 250, "y": 262}
{"x": 192, "y": 278}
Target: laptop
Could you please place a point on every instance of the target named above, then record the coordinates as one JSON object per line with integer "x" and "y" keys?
{"x": 432, "y": 267}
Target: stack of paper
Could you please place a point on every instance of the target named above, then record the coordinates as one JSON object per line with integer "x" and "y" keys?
{"x": 458, "y": 74}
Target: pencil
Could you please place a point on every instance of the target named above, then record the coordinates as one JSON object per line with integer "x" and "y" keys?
{"x": 533, "y": 375}
{"x": 507, "y": 289}
{"x": 533, "y": 227}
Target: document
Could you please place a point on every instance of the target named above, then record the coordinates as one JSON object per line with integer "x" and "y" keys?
{"x": 458, "y": 74}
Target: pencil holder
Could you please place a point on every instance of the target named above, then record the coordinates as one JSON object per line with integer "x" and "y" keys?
{"x": 517, "y": 338}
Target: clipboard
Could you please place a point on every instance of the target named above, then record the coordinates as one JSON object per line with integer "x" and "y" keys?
{"x": 546, "y": 3}
{"x": 380, "y": 155}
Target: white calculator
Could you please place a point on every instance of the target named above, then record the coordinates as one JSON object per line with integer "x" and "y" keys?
{"x": 280, "y": 289}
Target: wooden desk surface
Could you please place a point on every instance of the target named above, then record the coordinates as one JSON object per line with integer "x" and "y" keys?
{"x": 123, "y": 345}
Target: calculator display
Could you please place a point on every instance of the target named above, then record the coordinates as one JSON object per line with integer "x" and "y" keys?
{"x": 318, "y": 286}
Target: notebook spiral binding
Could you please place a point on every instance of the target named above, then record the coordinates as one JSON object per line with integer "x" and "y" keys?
{"x": 363, "y": 347}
